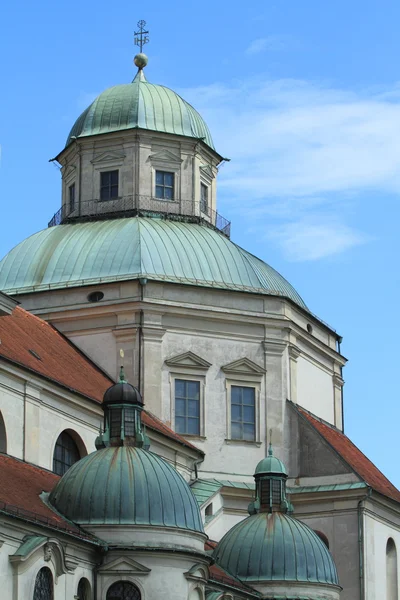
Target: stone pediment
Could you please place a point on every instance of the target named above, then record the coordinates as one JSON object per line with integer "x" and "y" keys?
{"x": 124, "y": 566}
{"x": 108, "y": 157}
{"x": 207, "y": 171}
{"x": 188, "y": 360}
{"x": 165, "y": 156}
{"x": 243, "y": 366}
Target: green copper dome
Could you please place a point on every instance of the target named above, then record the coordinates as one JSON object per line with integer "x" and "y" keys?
{"x": 126, "y": 485}
{"x": 143, "y": 105}
{"x": 272, "y": 547}
{"x": 93, "y": 253}
{"x": 270, "y": 464}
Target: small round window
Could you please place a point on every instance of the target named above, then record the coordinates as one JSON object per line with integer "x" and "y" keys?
{"x": 95, "y": 296}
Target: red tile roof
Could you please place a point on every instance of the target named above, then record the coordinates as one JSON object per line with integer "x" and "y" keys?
{"x": 22, "y": 484}
{"x": 363, "y": 467}
{"x": 36, "y": 345}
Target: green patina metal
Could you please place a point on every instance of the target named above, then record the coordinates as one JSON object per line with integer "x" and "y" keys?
{"x": 126, "y": 485}
{"x": 334, "y": 487}
{"x": 270, "y": 464}
{"x": 132, "y": 248}
{"x": 143, "y": 105}
{"x": 205, "y": 489}
{"x": 270, "y": 545}
{"x": 275, "y": 547}
{"x": 29, "y": 544}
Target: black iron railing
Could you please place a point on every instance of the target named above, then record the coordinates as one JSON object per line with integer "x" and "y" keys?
{"x": 128, "y": 206}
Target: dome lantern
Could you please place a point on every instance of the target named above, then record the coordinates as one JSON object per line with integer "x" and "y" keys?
{"x": 270, "y": 477}
{"x": 122, "y": 406}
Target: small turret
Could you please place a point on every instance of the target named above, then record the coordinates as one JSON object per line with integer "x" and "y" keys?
{"x": 122, "y": 406}
{"x": 270, "y": 476}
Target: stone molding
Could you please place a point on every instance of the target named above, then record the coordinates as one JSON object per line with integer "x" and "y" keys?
{"x": 123, "y": 566}
{"x": 243, "y": 366}
{"x": 274, "y": 347}
{"x": 294, "y": 352}
{"x": 188, "y": 360}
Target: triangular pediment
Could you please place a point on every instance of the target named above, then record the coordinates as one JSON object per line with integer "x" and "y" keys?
{"x": 109, "y": 156}
{"x": 165, "y": 156}
{"x": 124, "y": 566}
{"x": 207, "y": 170}
{"x": 243, "y": 366}
{"x": 188, "y": 360}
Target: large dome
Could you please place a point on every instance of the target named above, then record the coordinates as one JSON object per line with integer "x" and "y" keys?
{"x": 126, "y": 486}
{"x": 143, "y": 105}
{"x": 275, "y": 547}
{"x": 93, "y": 253}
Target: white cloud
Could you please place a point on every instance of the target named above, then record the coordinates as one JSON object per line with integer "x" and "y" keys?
{"x": 297, "y": 148}
{"x": 315, "y": 239}
{"x": 271, "y": 42}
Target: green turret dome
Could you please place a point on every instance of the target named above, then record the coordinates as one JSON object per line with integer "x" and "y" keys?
{"x": 143, "y": 105}
{"x": 270, "y": 464}
{"x": 274, "y": 547}
{"x": 92, "y": 253}
{"x": 126, "y": 485}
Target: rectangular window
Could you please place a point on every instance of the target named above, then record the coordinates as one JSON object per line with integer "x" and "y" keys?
{"x": 165, "y": 185}
{"x": 108, "y": 185}
{"x": 243, "y": 413}
{"x": 203, "y": 198}
{"x": 187, "y": 407}
{"x": 71, "y": 191}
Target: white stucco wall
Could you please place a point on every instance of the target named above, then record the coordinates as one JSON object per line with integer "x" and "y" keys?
{"x": 378, "y": 530}
{"x": 315, "y": 389}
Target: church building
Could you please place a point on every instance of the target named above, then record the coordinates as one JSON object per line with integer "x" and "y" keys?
{"x": 171, "y": 411}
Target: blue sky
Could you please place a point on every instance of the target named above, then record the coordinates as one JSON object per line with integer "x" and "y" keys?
{"x": 304, "y": 97}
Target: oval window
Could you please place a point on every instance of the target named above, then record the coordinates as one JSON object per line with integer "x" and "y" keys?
{"x": 95, "y": 296}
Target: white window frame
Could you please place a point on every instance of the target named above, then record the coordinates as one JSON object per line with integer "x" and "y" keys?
{"x": 189, "y": 376}
{"x": 244, "y": 381}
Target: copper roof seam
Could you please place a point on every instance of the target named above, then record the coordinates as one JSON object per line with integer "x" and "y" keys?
{"x": 153, "y": 234}
{"x": 191, "y": 501}
{"x": 212, "y": 238}
{"x": 198, "y": 251}
{"x": 157, "y": 474}
{"x": 158, "y": 95}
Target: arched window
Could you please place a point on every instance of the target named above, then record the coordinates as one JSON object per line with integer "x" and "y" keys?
{"x": 3, "y": 435}
{"x": 391, "y": 571}
{"x": 43, "y": 585}
{"x": 322, "y": 537}
{"x": 83, "y": 589}
{"x": 66, "y": 453}
{"x": 123, "y": 590}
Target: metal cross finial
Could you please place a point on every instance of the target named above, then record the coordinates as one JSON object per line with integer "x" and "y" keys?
{"x": 141, "y": 36}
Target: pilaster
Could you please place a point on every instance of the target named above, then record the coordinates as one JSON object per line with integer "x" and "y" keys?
{"x": 275, "y": 391}
{"x": 338, "y": 383}
{"x": 294, "y": 353}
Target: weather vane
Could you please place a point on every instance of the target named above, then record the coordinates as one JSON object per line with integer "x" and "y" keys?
{"x": 141, "y": 36}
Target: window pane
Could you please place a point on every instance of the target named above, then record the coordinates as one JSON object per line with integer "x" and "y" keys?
{"x": 160, "y": 177}
{"x": 180, "y": 407}
{"x": 159, "y": 192}
{"x": 66, "y": 453}
{"x": 104, "y": 194}
{"x": 114, "y": 191}
{"x": 193, "y": 408}
{"x": 236, "y": 412}
{"x": 248, "y": 432}
{"x": 236, "y": 431}
{"x": 180, "y": 424}
{"x": 180, "y": 388}
{"x": 236, "y": 394}
{"x": 248, "y": 396}
{"x": 169, "y": 179}
{"x": 168, "y": 193}
{"x": 114, "y": 177}
{"x": 193, "y": 389}
{"x": 193, "y": 426}
{"x": 248, "y": 414}
{"x": 104, "y": 179}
